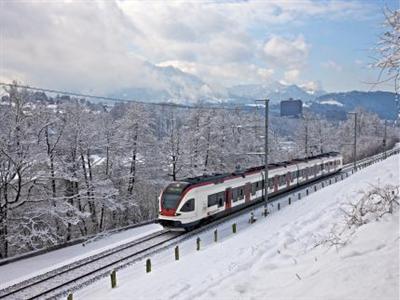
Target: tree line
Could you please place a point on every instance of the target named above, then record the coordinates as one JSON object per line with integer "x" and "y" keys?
{"x": 70, "y": 168}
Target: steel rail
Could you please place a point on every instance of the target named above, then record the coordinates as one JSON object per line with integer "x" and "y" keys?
{"x": 29, "y": 283}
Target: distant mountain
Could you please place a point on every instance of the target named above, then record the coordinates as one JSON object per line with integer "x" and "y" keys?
{"x": 183, "y": 88}
{"x": 274, "y": 91}
{"x": 178, "y": 87}
{"x": 379, "y": 102}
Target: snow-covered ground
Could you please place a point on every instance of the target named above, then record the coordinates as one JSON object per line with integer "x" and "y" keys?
{"x": 20, "y": 270}
{"x": 279, "y": 257}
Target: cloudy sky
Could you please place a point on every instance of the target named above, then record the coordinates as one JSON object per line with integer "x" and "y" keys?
{"x": 99, "y": 46}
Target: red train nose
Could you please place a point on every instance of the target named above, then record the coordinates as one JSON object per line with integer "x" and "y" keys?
{"x": 168, "y": 212}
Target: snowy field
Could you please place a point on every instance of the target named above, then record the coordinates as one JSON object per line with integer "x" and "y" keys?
{"x": 280, "y": 257}
{"x": 20, "y": 270}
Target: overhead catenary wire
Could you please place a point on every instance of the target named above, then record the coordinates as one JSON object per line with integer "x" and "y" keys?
{"x": 121, "y": 100}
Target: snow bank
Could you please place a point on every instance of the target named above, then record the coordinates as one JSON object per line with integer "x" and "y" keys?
{"x": 21, "y": 270}
{"x": 279, "y": 257}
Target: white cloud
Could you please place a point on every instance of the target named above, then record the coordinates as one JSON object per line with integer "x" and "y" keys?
{"x": 359, "y": 62}
{"x": 292, "y": 76}
{"x": 105, "y": 45}
{"x": 311, "y": 86}
{"x": 71, "y": 46}
{"x": 291, "y": 53}
{"x": 332, "y": 65}
{"x": 223, "y": 74}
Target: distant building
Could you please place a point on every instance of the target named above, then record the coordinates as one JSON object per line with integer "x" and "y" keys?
{"x": 291, "y": 108}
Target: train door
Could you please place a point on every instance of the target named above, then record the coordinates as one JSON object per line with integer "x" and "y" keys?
{"x": 288, "y": 179}
{"x": 276, "y": 182}
{"x": 247, "y": 191}
{"x": 228, "y": 198}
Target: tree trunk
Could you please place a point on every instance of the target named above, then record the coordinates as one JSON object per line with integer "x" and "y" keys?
{"x": 88, "y": 193}
{"x": 132, "y": 172}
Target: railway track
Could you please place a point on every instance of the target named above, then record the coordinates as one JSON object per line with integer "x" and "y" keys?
{"x": 58, "y": 282}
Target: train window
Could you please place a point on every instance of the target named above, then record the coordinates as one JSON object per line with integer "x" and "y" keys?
{"x": 254, "y": 188}
{"x": 282, "y": 180}
{"x": 322, "y": 167}
{"x": 234, "y": 195}
{"x": 241, "y": 194}
{"x": 220, "y": 198}
{"x": 270, "y": 183}
{"x": 212, "y": 200}
{"x": 188, "y": 206}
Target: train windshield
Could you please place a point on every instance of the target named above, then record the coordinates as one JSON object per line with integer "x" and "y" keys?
{"x": 171, "y": 195}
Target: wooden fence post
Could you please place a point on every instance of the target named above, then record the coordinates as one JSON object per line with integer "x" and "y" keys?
{"x": 113, "y": 277}
{"x": 148, "y": 265}
{"x": 251, "y": 220}
{"x": 265, "y": 213}
{"x": 177, "y": 253}
{"x": 198, "y": 244}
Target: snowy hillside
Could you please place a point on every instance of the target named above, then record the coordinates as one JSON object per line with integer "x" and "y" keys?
{"x": 281, "y": 257}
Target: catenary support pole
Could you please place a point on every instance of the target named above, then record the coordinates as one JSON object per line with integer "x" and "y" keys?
{"x": 384, "y": 140}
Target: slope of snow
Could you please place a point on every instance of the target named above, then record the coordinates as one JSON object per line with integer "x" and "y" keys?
{"x": 23, "y": 269}
{"x": 278, "y": 257}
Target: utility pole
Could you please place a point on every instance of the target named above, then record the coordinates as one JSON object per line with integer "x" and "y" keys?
{"x": 385, "y": 140}
{"x": 266, "y": 181}
{"x": 306, "y": 141}
{"x": 355, "y": 140}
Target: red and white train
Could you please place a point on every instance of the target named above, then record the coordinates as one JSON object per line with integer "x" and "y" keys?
{"x": 193, "y": 201}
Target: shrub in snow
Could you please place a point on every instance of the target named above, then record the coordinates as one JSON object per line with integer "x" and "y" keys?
{"x": 373, "y": 205}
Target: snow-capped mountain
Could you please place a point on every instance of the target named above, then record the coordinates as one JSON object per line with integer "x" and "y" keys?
{"x": 180, "y": 87}
{"x": 175, "y": 86}
{"x": 275, "y": 91}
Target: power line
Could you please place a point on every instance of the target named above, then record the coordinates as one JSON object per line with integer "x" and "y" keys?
{"x": 114, "y": 99}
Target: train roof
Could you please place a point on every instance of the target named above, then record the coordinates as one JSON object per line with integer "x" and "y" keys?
{"x": 221, "y": 176}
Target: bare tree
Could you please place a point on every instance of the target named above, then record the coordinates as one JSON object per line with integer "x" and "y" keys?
{"x": 388, "y": 48}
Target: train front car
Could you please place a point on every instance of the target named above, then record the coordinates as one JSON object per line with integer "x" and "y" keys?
{"x": 177, "y": 210}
